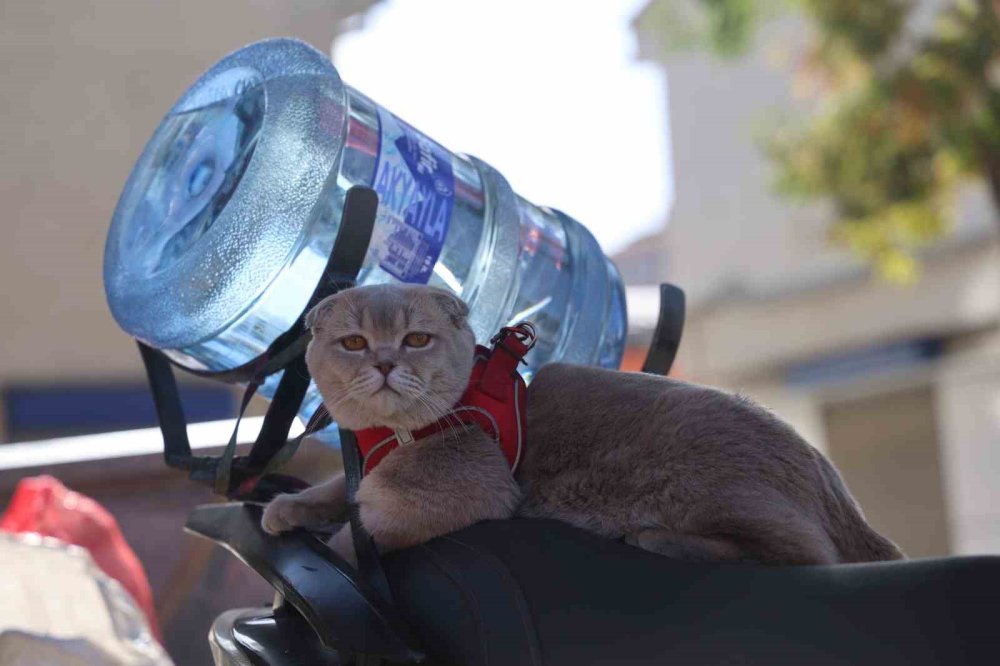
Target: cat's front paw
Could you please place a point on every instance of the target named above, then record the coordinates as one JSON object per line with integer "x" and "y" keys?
{"x": 287, "y": 512}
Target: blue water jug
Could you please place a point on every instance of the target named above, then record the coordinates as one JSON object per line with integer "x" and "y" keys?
{"x": 227, "y": 219}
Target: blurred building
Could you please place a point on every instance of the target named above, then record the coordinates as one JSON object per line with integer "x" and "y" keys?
{"x": 83, "y": 85}
{"x": 900, "y": 386}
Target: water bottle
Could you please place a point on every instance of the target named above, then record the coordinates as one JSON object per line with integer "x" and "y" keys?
{"x": 227, "y": 219}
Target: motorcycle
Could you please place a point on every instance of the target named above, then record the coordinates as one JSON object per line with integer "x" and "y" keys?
{"x": 538, "y": 591}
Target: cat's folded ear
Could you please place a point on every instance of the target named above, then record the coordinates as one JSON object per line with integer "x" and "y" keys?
{"x": 319, "y": 312}
{"x": 453, "y": 306}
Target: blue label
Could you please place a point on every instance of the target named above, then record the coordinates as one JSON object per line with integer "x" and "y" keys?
{"x": 416, "y": 189}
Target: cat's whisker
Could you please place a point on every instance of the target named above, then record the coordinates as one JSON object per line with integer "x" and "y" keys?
{"x": 451, "y": 431}
{"x": 435, "y": 412}
{"x": 409, "y": 384}
{"x": 333, "y": 405}
{"x": 443, "y": 412}
{"x": 356, "y": 383}
{"x": 364, "y": 386}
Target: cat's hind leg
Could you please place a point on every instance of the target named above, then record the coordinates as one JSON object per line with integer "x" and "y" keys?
{"x": 790, "y": 543}
{"x": 770, "y": 534}
{"x": 689, "y": 547}
{"x": 313, "y": 508}
{"x": 760, "y": 532}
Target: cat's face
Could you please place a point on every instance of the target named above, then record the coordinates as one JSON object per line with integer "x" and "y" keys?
{"x": 390, "y": 355}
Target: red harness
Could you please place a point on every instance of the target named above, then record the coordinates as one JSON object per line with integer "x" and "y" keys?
{"x": 494, "y": 401}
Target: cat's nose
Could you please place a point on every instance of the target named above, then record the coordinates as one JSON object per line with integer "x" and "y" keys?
{"x": 385, "y": 367}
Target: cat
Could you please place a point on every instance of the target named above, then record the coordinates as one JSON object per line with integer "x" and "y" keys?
{"x": 671, "y": 467}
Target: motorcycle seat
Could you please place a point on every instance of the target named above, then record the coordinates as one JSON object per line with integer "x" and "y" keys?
{"x": 539, "y": 592}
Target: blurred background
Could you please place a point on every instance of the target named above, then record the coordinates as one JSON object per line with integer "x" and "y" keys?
{"x": 821, "y": 177}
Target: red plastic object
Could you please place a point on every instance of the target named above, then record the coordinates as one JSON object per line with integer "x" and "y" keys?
{"x": 42, "y": 504}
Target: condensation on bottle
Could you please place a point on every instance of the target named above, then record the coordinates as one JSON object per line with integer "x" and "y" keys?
{"x": 227, "y": 220}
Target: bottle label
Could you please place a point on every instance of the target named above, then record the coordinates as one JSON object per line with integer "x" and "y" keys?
{"x": 416, "y": 189}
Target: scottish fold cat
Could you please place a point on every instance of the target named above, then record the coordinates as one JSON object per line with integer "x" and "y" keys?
{"x": 672, "y": 467}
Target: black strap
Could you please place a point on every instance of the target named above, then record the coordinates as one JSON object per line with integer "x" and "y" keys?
{"x": 169, "y": 412}
{"x": 342, "y": 267}
{"x": 222, "y": 473}
{"x": 667, "y": 335}
{"x": 319, "y": 420}
{"x": 369, "y": 564}
{"x": 281, "y": 413}
{"x": 273, "y": 432}
{"x": 351, "y": 247}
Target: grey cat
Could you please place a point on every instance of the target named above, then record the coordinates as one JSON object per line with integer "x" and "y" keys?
{"x": 668, "y": 466}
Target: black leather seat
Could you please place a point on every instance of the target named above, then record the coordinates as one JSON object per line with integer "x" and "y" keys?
{"x": 541, "y": 592}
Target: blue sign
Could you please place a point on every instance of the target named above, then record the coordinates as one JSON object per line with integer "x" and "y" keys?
{"x": 416, "y": 188}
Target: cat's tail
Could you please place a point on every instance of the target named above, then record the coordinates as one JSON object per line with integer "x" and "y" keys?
{"x": 855, "y": 539}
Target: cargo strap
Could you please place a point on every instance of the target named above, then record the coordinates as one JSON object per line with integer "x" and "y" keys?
{"x": 667, "y": 334}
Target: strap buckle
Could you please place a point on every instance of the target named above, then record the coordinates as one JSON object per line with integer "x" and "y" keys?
{"x": 516, "y": 340}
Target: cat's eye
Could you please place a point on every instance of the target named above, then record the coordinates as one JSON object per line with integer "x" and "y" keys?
{"x": 353, "y": 342}
{"x": 416, "y": 340}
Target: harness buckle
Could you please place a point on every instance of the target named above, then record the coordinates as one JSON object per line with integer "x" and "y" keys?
{"x": 524, "y": 337}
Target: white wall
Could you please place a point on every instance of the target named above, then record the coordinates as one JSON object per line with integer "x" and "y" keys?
{"x": 83, "y": 83}
{"x": 968, "y": 416}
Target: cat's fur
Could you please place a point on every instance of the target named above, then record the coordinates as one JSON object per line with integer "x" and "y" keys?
{"x": 671, "y": 467}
